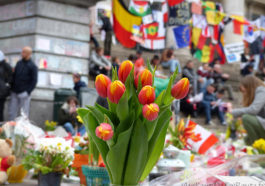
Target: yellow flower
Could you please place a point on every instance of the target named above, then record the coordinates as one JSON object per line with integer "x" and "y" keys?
{"x": 259, "y": 144}
{"x": 79, "y": 119}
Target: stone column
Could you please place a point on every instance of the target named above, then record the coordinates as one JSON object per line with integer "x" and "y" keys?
{"x": 233, "y": 7}
{"x": 58, "y": 33}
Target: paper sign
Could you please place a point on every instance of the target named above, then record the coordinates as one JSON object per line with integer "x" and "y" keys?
{"x": 56, "y": 79}
{"x": 240, "y": 180}
{"x": 43, "y": 44}
{"x": 233, "y": 52}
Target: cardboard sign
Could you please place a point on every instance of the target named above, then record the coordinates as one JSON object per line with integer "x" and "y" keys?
{"x": 233, "y": 52}
{"x": 179, "y": 14}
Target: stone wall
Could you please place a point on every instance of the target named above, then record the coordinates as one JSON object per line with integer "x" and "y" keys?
{"x": 58, "y": 32}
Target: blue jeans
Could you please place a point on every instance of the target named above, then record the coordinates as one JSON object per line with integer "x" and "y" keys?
{"x": 82, "y": 130}
{"x": 208, "y": 111}
{"x": 172, "y": 65}
{"x": 69, "y": 128}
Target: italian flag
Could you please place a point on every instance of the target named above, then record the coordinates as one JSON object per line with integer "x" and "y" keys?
{"x": 139, "y": 8}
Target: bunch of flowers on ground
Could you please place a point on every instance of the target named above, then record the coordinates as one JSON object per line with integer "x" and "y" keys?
{"x": 49, "y": 155}
{"x": 259, "y": 145}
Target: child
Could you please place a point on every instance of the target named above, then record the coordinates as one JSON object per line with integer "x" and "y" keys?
{"x": 210, "y": 105}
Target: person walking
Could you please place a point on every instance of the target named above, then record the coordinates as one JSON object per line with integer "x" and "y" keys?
{"x": 5, "y": 80}
{"x": 107, "y": 27}
{"x": 24, "y": 81}
{"x": 253, "y": 112}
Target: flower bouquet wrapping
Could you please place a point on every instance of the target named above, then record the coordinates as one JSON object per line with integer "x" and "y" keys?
{"x": 130, "y": 135}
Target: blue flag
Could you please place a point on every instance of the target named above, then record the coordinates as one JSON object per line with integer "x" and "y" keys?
{"x": 182, "y": 35}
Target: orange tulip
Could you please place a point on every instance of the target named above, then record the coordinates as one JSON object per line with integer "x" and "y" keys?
{"x": 115, "y": 91}
{"x": 181, "y": 88}
{"x": 125, "y": 70}
{"x": 150, "y": 112}
{"x": 147, "y": 95}
{"x": 104, "y": 131}
{"x": 146, "y": 78}
{"x": 102, "y": 82}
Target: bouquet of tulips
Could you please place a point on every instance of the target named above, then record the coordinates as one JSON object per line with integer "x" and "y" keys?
{"x": 130, "y": 135}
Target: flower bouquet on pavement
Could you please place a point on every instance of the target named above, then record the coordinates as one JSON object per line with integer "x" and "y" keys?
{"x": 130, "y": 135}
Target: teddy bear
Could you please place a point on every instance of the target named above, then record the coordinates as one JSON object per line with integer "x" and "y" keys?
{"x": 7, "y": 159}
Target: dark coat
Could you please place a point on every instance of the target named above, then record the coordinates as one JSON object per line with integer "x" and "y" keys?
{"x": 78, "y": 86}
{"x": 5, "y": 79}
{"x": 25, "y": 76}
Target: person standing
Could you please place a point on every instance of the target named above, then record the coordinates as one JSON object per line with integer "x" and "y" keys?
{"x": 5, "y": 80}
{"x": 24, "y": 81}
{"x": 78, "y": 84}
{"x": 108, "y": 37}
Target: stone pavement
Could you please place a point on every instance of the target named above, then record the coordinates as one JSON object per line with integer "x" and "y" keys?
{"x": 34, "y": 182}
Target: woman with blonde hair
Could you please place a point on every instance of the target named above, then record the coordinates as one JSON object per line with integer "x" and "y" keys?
{"x": 253, "y": 112}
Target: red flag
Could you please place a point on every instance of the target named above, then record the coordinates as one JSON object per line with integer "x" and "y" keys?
{"x": 215, "y": 34}
{"x": 201, "y": 42}
{"x": 238, "y": 27}
{"x": 174, "y": 2}
{"x": 211, "y": 53}
{"x": 220, "y": 52}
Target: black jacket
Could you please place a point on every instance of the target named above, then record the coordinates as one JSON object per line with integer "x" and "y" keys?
{"x": 5, "y": 79}
{"x": 78, "y": 86}
{"x": 25, "y": 76}
{"x": 106, "y": 24}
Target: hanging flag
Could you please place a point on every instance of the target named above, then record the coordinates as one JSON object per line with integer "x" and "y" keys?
{"x": 206, "y": 51}
{"x": 238, "y": 22}
{"x": 196, "y": 32}
{"x": 220, "y": 50}
{"x": 206, "y": 31}
{"x": 150, "y": 30}
{"x": 214, "y": 31}
{"x": 210, "y": 16}
{"x": 165, "y": 11}
{"x": 262, "y": 25}
{"x": 123, "y": 22}
{"x": 209, "y": 5}
{"x": 198, "y": 55}
{"x": 179, "y": 14}
{"x": 196, "y": 8}
{"x": 139, "y": 8}
{"x": 148, "y": 19}
{"x": 182, "y": 36}
{"x": 136, "y": 30}
{"x": 174, "y": 2}
{"x": 251, "y": 31}
{"x": 201, "y": 42}
{"x": 199, "y": 21}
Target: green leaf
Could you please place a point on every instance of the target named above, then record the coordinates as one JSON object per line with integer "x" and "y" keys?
{"x": 129, "y": 84}
{"x": 158, "y": 100}
{"x": 122, "y": 108}
{"x": 96, "y": 113}
{"x": 112, "y": 106}
{"x": 137, "y": 156}
{"x": 116, "y": 156}
{"x": 154, "y": 156}
{"x": 91, "y": 124}
{"x": 156, "y": 144}
{"x": 114, "y": 74}
{"x": 111, "y": 115}
{"x": 167, "y": 95}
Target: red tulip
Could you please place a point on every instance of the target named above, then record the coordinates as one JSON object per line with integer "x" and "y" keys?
{"x": 104, "y": 131}
{"x": 125, "y": 70}
{"x": 147, "y": 95}
{"x": 181, "y": 88}
{"x": 150, "y": 112}
{"x": 115, "y": 91}
{"x": 102, "y": 82}
{"x": 146, "y": 78}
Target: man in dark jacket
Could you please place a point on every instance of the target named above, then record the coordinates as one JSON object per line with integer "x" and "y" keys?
{"x": 108, "y": 30}
{"x": 190, "y": 73}
{"x": 5, "y": 80}
{"x": 78, "y": 84}
{"x": 24, "y": 81}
